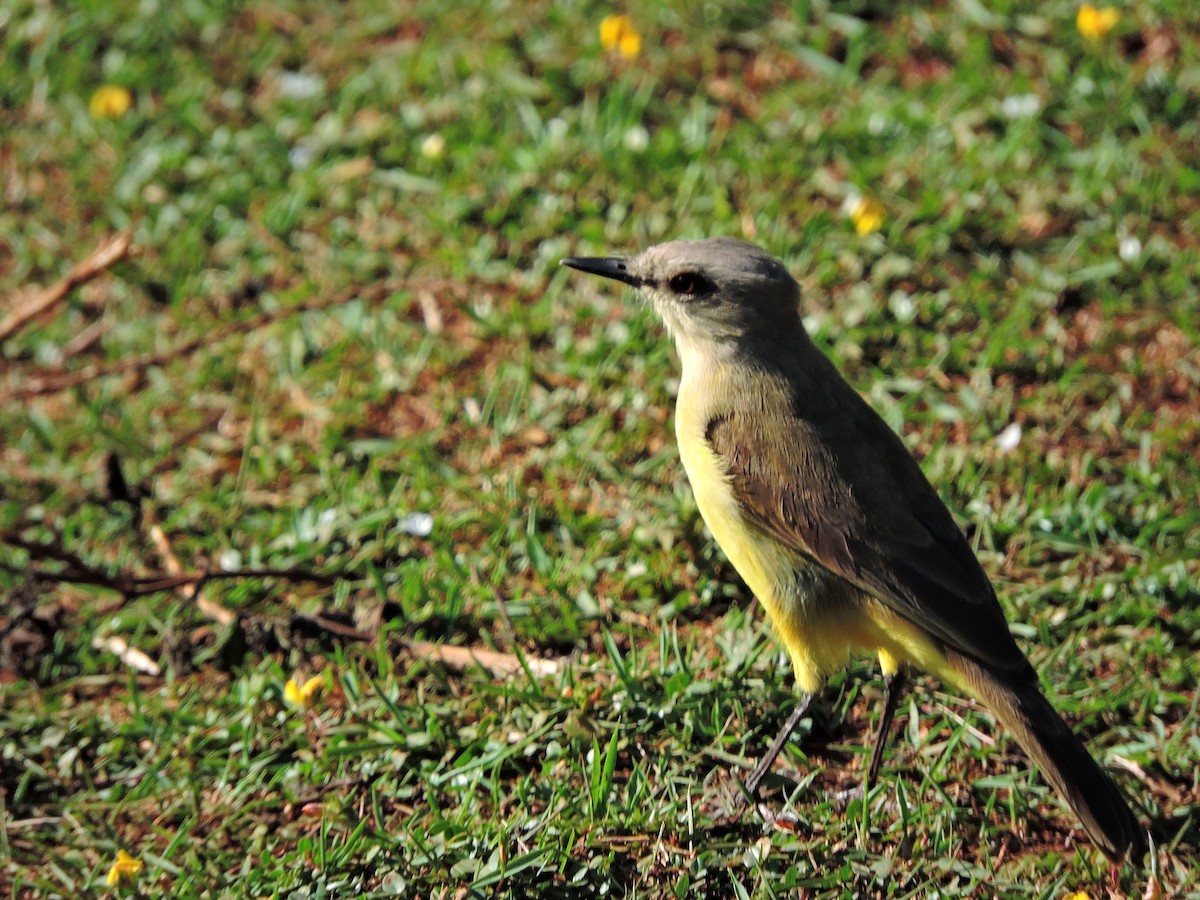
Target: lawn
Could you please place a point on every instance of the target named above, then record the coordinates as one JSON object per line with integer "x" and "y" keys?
{"x": 345, "y": 549}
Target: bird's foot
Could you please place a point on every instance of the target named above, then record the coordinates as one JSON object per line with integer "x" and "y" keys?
{"x": 728, "y": 797}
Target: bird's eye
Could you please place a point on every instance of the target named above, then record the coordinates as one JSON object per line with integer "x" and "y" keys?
{"x": 687, "y": 283}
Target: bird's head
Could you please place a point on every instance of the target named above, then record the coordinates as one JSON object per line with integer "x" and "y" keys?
{"x": 709, "y": 293}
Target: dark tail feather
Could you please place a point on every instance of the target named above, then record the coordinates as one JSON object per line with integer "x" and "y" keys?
{"x": 1023, "y": 709}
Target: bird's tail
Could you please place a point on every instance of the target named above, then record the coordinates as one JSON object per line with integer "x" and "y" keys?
{"x": 1023, "y": 709}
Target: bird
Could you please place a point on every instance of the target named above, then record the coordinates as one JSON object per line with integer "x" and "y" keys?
{"x": 831, "y": 523}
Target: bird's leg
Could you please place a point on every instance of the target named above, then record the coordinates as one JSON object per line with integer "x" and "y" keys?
{"x": 894, "y": 684}
{"x": 764, "y": 764}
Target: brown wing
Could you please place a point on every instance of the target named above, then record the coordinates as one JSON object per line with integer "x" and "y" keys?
{"x": 866, "y": 512}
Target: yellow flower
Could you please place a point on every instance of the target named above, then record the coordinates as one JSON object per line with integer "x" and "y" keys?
{"x": 124, "y": 871}
{"x": 302, "y": 694}
{"x": 617, "y": 33}
{"x": 1078, "y": 895}
{"x": 866, "y": 213}
{"x": 1095, "y": 23}
{"x": 110, "y": 102}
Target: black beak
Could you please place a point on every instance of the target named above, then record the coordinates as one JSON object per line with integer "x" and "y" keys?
{"x": 610, "y": 267}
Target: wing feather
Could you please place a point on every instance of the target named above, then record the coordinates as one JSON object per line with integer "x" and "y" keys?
{"x": 845, "y": 492}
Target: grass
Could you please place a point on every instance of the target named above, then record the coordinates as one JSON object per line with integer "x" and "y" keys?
{"x": 353, "y": 213}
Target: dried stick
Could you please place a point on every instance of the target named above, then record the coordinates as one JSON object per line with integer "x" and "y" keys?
{"x": 102, "y": 258}
{"x": 461, "y": 658}
{"x": 79, "y": 572}
{"x": 54, "y": 381}
{"x": 131, "y": 656}
{"x": 191, "y": 591}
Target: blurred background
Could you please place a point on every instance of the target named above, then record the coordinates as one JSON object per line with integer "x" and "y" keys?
{"x": 344, "y": 546}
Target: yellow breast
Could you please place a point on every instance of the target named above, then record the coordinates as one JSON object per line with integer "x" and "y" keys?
{"x": 768, "y": 568}
{"x": 819, "y": 617}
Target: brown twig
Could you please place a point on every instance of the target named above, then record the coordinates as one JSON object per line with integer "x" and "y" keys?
{"x": 139, "y": 586}
{"x": 336, "y": 628}
{"x": 102, "y": 258}
{"x": 86, "y": 339}
{"x": 457, "y": 658}
{"x": 58, "y": 381}
{"x": 1156, "y": 784}
{"x": 77, "y": 571}
{"x": 131, "y": 656}
{"x": 434, "y": 323}
{"x": 461, "y": 658}
{"x": 49, "y": 382}
{"x": 54, "y": 552}
{"x": 190, "y": 591}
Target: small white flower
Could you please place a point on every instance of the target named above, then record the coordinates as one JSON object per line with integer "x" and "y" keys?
{"x": 1008, "y": 439}
{"x": 617, "y": 332}
{"x": 979, "y": 508}
{"x": 1129, "y": 248}
{"x": 902, "y": 306}
{"x": 229, "y": 560}
{"x": 637, "y": 139}
{"x": 302, "y": 155}
{"x": 299, "y": 86}
{"x": 326, "y": 520}
{"x": 556, "y": 129}
{"x": 418, "y": 524}
{"x": 1021, "y": 106}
